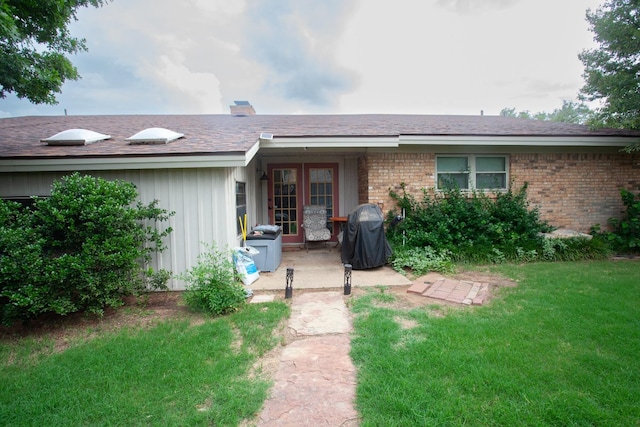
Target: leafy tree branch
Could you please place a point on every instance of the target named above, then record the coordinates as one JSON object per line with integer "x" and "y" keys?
{"x": 34, "y": 44}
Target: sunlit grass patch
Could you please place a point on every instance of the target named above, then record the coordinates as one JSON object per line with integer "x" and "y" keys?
{"x": 559, "y": 349}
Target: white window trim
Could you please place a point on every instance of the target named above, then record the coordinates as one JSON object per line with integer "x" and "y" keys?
{"x": 471, "y": 172}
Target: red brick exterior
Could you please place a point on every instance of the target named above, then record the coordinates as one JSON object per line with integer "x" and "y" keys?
{"x": 571, "y": 190}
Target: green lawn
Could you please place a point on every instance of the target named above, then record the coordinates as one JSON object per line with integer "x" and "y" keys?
{"x": 562, "y": 348}
{"x": 174, "y": 374}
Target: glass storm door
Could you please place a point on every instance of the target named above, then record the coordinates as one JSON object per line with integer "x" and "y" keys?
{"x": 321, "y": 186}
{"x": 283, "y": 201}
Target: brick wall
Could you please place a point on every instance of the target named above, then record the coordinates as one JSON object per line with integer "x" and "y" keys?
{"x": 387, "y": 170}
{"x": 577, "y": 190}
{"x": 571, "y": 190}
{"x": 363, "y": 180}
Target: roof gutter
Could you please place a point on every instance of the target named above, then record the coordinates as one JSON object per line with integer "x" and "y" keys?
{"x": 524, "y": 141}
{"x": 330, "y": 142}
{"x": 124, "y": 163}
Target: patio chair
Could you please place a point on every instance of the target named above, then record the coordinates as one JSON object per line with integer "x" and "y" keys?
{"x": 314, "y": 224}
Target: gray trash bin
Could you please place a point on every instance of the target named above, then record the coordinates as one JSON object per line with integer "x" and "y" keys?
{"x": 267, "y": 239}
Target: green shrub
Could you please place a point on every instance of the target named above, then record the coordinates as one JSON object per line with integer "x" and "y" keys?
{"x": 575, "y": 249}
{"x": 212, "y": 284}
{"x": 470, "y": 226}
{"x": 81, "y": 249}
{"x": 626, "y": 232}
{"x": 421, "y": 260}
{"x": 454, "y": 226}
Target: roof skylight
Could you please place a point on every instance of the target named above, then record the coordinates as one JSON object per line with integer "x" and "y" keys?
{"x": 75, "y": 137}
{"x": 154, "y": 136}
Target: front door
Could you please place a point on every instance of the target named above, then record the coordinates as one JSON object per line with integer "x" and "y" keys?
{"x": 293, "y": 185}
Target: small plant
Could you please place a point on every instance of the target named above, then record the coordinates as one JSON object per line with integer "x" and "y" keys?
{"x": 497, "y": 256}
{"x": 157, "y": 280}
{"x": 153, "y": 281}
{"x": 526, "y": 256}
{"x": 421, "y": 260}
{"x": 626, "y": 232}
{"x": 212, "y": 284}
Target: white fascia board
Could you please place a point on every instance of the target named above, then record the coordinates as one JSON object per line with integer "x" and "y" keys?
{"x": 331, "y": 142}
{"x": 123, "y": 163}
{"x": 539, "y": 141}
{"x": 250, "y": 154}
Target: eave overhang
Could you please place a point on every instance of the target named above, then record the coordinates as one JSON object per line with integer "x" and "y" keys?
{"x": 222, "y": 160}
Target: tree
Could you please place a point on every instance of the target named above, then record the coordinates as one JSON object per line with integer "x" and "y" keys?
{"x": 511, "y": 112}
{"x": 570, "y": 112}
{"x": 34, "y": 40}
{"x": 612, "y": 70}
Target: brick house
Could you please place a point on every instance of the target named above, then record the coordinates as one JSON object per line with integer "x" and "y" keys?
{"x": 214, "y": 168}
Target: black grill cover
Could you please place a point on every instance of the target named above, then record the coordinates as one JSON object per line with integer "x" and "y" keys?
{"x": 364, "y": 244}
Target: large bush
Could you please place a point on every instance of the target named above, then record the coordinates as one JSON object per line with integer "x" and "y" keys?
{"x": 453, "y": 225}
{"x": 81, "y": 249}
{"x": 467, "y": 224}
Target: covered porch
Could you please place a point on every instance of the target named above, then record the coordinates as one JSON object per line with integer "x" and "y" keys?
{"x": 291, "y": 174}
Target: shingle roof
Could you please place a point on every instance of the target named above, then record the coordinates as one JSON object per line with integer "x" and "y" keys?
{"x": 225, "y": 134}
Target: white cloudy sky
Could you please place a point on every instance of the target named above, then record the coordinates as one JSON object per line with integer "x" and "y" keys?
{"x": 324, "y": 56}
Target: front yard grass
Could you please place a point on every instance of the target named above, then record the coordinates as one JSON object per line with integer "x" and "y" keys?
{"x": 179, "y": 372}
{"x": 560, "y": 349}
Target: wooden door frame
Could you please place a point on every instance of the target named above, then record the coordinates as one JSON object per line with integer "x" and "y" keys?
{"x": 335, "y": 187}
{"x": 303, "y": 185}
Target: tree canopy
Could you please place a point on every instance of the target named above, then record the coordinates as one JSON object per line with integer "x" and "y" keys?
{"x": 570, "y": 112}
{"x": 34, "y": 42}
{"x": 612, "y": 70}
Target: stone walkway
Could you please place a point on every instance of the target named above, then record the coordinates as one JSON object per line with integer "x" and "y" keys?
{"x": 315, "y": 384}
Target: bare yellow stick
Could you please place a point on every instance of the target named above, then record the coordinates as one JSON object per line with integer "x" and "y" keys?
{"x": 243, "y": 227}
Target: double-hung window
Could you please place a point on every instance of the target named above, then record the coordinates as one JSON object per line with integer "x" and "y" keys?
{"x": 478, "y": 172}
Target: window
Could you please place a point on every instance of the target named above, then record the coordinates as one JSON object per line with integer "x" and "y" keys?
{"x": 241, "y": 203}
{"x": 472, "y": 172}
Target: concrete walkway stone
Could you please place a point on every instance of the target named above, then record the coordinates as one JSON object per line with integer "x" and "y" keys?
{"x": 319, "y": 313}
{"x": 316, "y": 381}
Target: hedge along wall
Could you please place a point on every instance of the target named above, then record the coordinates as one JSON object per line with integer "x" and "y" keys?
{"x": 572, "y": 190}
